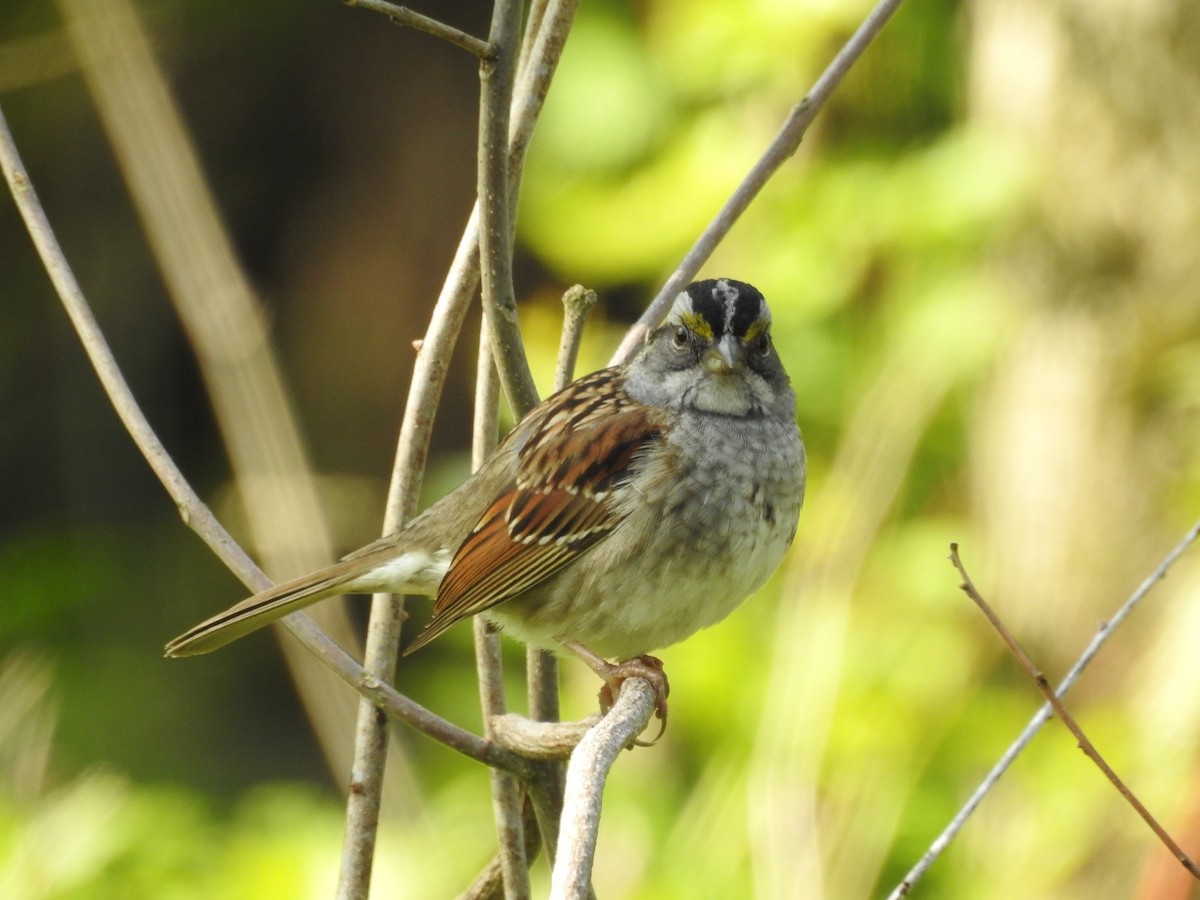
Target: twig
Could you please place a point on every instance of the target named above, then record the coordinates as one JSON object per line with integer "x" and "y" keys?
{"x": 586, "y": 775}
{"x": 407, "y": 18}
{"x": 1065, "y": 717}
{"x": 501, "y": 360}
{"x": 539, "y": 61}
{"x": 191, "y": 508}
{"x": 195, "y": 514}
{"x": 429, "y": 377}
{"x": 1040, "y": 718}
{"x": 541, "y": 667}
{"x": 399, "y": 706}
{"x": 506, "y": 789}
{"x": 780, "y": 150}
{"x": 578, "y": 303}
{"x": 489, "y": 668}
{"x": 534, "y": 17}
{"x": 497, "y": 77}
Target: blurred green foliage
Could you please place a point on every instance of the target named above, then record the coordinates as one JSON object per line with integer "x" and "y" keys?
{"x": 982, "y": 265}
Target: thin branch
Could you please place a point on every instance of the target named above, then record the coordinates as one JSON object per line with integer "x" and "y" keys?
{"x": 578, "y": 303}
{"x": 397, "y": 705}
{"x": 425, "y": 390}
{"x": 489, "y": 667}
{"x": 191, "y": 508}
{"x": 1065, "y": 717}
{"x": 1040, "y": 718}
{"x": 586, "y": 775}
{"x": 541, "y": 666}
{"x": 489, "y": 884}
{"x": 534, "y": 17}
{"x": 407, "y": 18}
{"x": 539, "y": 61}
{"x": 780, "y": 150}
{"x": 506, "y": 789}
{"x": 497, "y": 78}
{"x": 195, "y": 514}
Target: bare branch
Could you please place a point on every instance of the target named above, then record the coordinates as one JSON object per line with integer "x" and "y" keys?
{"x": 781, "y": 149}
{"x": 192, "y": 509}
{"x": 497, "y": 78}
{"x": 535, "y": 739}
{"x": 541, "y": 667}
{"x": 578, "y": 303}
{"x": 506, "y": 789}
{"x": 391, "y": 701}
{"x": 489, "y": 884}
{"x": 539, "y": 60}
{"x": 943, "y": 840}
{"x": 429, "y": 377}
{"x": 586, "y": 775}
{"x": 1064, "y": 716}
{"x": 407, "y": 18}
{"x": 489, "y": 667}
{"x": 195, "y": 514}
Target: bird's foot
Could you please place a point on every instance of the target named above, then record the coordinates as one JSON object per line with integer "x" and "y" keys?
{"x": 614, "y": 675}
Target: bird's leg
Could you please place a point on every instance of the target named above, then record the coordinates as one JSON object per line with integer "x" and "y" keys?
{"x": 614, "y": 675}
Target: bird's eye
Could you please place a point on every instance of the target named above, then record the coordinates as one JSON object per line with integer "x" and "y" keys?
{"x": 681, "y": 339}
{"x": 762, "y": 344}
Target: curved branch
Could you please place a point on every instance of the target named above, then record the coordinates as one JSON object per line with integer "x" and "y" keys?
{"x": 586, "y": 775}
{"x": 195, "y": 514}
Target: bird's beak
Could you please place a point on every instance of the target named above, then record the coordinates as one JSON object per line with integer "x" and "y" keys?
{"x": 727, "y": 355}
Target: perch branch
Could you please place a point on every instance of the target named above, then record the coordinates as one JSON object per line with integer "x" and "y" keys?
{"x": 534, "y": 739}
{"x": 780, "y": 150}
{"x": 1065, "y": 716}
{"x": 407, "y": 18}
{"x": 541, "y": 667}
{"x": 586, "y": 774}
{"x": 1040, "y": 718}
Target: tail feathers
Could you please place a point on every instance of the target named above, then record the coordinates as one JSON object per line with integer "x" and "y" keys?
{"x": 434, "y": 629}
{"x": 253, "y": 613}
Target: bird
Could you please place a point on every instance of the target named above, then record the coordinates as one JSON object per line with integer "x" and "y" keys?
{"x": 636, "y": 506}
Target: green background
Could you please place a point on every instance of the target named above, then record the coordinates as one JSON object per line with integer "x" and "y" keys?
{"x": 984, "y": 271}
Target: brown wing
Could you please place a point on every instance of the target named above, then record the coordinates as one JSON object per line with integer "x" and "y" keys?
{"x": 580, "y": 446}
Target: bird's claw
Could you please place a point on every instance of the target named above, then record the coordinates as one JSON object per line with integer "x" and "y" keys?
{"x": 649, "y": 668}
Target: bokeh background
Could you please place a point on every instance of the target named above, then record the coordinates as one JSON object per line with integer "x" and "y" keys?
{"x": 984, "y": 267}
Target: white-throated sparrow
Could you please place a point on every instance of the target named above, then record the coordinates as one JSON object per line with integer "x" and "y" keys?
{"x": 629, "y": 510}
